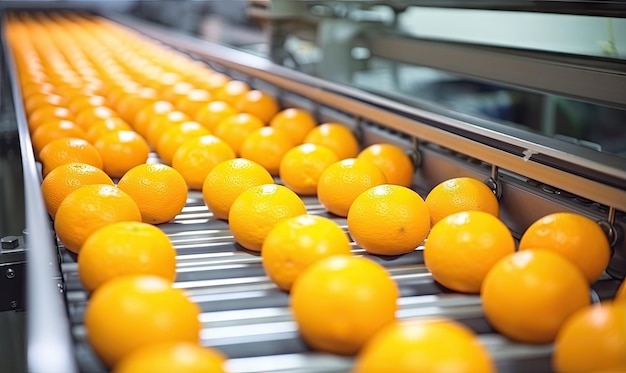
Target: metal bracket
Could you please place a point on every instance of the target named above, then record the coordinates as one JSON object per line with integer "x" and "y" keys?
{"x": 12, "y": 273}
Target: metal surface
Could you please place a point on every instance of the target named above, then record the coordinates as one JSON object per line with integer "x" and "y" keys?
{"x": 49, "y": 343}
{"x": 247, "y": 317}
{"x": 569, "y": 76}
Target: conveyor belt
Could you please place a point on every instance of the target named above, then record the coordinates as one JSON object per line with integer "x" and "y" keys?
{"x": 247, "y": 317}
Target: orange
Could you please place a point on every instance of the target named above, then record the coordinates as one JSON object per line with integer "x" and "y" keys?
{"x": 193, "y": 101}
{"x": 55, "y": 129}
{"x": 296, "y": 122}
{"x": 392, "y": 160}
{"x": 145, "y": 115}
{"x": 337, "y": 137}
{"x": 341, "y": 182}
{"x": 342, "y": 301}
{"x": 125, "y": 248}
{"x": 236, "y": 128}
{"x": 578, "y": 238}
{"x": 41, "y": 99}
{"x": 231, "y": 91}
{"x": 212, "y": 113}
{"x": 91, "y": 114}
{"x": 129, "y": 107}
{"x": 121, "y": 151}
{"x": 212, "y": 81}
{"x": 68, "y": 150}
{"x": 78, "y": 103}
{"x": 388, "y": 219}
{"x": 89, "y": 208}
{"x": 256, "y": 210}
{"x": 292, "y": 245}
{"x": 131, "y": 312}
{"x": 463, "y": 247}
{"x": 169, "y": 357}
{"x": 460, "y": 194}
{"x": 259, "y": 104}
{"x": 162, "y": 123}
{"x": 196, "y": 157}
{"x": 267, "y": 146}
{"x": 592, "y": 340}
{"x": 528, "y": 295}
{"x": 63, "y": 180}
{"x": 179, "y": 89}
{"x": 104, "y": 126}
{"x": 424, "y": 345}
{"x": 159, "y": 191}
{"x": 227, "y": 180}
{"x": 302, "y": 166}
{"x": 47, "y": 113}
{"x": 175, "y": 136}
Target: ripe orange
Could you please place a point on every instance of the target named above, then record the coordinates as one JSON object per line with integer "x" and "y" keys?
{"x": 41, "y": 99}
{"x": 543, "y": 283}
{"x": 77, "y": 103}
{"x": 393, "y": 161}
{"x": 169, "y": 357}
{"x": 302, "y": 166}
{"x": 211, "y": 114}
{"x": 63, "y": 180}
{"x": 578, "y": 238}
{"x": 592, "y": 340}
{"x": 104, "y": 126}
{"x": 267, "y": 146}
{"x": 337, "y": 137}
{"x": 196, "y": 157}
{"x": 89, "y": 208}
{"x": 129, "y": 105}
{"x": 426, "y": 345}
{"x": 227, "y": 180}
{"x": 236, "y": 128}
{"x": 56, "y": 129}
{"x": 91, "y": 114}
{"x": 341, "y": 182}
{"x": 179, "y": 89}
{"x": 175, "y": 136}
{"x": 462, "y": 248}
{"x": 47, "y": 113}
{"x": 159, "y": 191}
{"x": 292, "y": 245}
{"x": 145, "y": 115}
{"x": 121, "y": 151}
{"x": 256, "y": 210}
{"x": 342, "y": 301}
{"x": 296, "y": 122}
{"x": 212, "y": 82}
{"x": 230, "y": 91}
{"x": 193, "y": 101}
{"x": 161, "y": 123}
{"x": 131, "y": 312}
{"x": 125, "y": 248}
{"x": 388, "y": 219}
{"x": 460, "y": 194}
{"x": 257, "y": 103}
{"x": 68, "y": 150}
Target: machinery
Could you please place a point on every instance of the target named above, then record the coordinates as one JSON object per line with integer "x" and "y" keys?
{"x": 544, "y": 128}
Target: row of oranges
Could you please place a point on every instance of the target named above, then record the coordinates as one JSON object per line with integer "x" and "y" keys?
{"x": 465, "y": 252}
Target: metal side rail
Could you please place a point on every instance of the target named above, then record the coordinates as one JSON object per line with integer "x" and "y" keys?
{"x": 247, "y": 317}
{"x": 49, "y": 346}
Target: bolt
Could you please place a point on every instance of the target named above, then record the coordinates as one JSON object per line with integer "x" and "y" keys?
{"x": 13, "y": 304}
{"x": 10, "y": 273}
{"x": 10, "y": 242}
